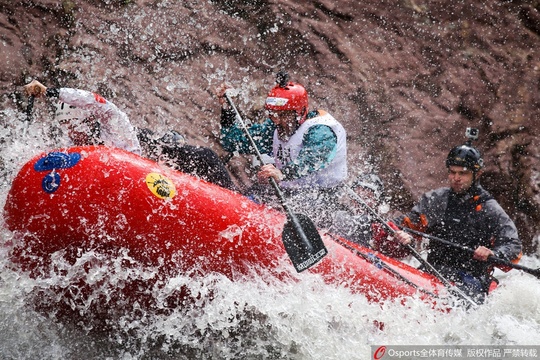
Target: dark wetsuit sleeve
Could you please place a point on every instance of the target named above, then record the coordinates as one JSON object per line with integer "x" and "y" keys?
{"x": 52, "y": 92}
{"x": 201, "y": 162}
{"x": 234, "y": 139}
{"x": 506, "y": 242}
{"x": 227, "y": 117}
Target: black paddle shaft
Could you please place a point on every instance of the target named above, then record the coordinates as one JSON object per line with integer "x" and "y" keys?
{"x": 303, "y": 251}
{"x": 413, "y": 251}
{"x": 29, "y": 108}
{"x": 491, "y": 259}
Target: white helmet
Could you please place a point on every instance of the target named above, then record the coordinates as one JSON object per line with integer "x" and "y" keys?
{"x": 66, "y": 113}
{"x": 372, "y": 182}
{"x": 172, "y": 138}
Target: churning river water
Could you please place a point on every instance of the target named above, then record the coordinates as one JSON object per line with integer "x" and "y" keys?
{"x": 243, "y": 319}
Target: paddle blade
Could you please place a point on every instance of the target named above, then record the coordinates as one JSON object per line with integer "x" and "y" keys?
{"x": 302, "y": 242}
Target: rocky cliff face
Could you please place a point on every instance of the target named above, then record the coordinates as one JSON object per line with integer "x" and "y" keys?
{"x": 404, "y": 77}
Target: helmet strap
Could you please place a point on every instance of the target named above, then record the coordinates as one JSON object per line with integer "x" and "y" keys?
{"x": 476, "y": 175}
{"x": 301, "y": 117}
{"x": 286, "y": 132}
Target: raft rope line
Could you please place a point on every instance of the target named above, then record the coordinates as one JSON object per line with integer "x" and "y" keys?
{"x": 430, "y": 269}
{"x": 375, "y": 260}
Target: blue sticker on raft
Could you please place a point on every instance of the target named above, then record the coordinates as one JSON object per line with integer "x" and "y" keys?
{"x": 51, "y": 182}
{"x": 51, "y": 162}
{"x": 57, "y": 160}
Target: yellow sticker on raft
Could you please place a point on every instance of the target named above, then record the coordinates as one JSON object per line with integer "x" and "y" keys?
{"x": 160, "y": 186}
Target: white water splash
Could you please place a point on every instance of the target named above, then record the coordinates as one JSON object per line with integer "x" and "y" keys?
{"x": 253, "y": 317}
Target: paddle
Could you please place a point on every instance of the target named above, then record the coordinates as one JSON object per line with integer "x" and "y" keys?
{"x": 392, "y": 228}
{"x": 300, "y": 237}
{"x": 379, "y": 263}
{"x": 29, "y": 108}
{"x": 491, "y": 259}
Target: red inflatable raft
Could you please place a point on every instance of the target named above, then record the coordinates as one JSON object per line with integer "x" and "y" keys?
{"x": 108, "y": 199}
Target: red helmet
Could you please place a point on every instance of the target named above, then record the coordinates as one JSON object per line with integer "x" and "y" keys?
{"x": 292, "y": 96}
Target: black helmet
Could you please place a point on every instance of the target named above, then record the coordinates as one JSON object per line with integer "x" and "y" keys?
{"x": 465, "y": 156}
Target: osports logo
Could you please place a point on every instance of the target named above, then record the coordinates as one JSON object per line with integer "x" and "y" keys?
{"x": 160, "y": 186}
{"x": 379, "y": 353}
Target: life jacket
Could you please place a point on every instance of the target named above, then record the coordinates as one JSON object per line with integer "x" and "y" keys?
{"x": 286, "y": 151}
{"x": 463, "y": 222}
